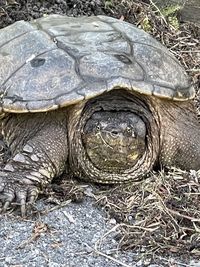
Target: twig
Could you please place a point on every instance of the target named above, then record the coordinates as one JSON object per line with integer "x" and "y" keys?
{"x": 177, "y": 262}
{"x": 111, "y": 258}
{"x": 183, "y": 216}
{"x": 121, "y": 225}
{"x": 63, "y": 204}
{"x": 157, "y": 9}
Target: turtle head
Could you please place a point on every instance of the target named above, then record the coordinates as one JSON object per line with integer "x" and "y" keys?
{"x": 114, "y": 140}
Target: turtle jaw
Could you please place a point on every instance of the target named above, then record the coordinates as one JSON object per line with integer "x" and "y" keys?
{"x": 114, "y": 140}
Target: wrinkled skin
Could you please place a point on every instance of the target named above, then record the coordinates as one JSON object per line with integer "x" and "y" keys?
{"x": 114, "y": 138}
{"x": 38, "y": 147}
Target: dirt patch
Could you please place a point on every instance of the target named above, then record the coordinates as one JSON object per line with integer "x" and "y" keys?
{"x": 12, "y": 10}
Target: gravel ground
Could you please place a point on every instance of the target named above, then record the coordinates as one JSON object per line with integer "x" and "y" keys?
{"x": 63, "y": 237}
{"x": 66, "y": 236}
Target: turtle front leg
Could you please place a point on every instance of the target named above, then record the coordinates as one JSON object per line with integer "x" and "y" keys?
{"x": 39, "y": 150}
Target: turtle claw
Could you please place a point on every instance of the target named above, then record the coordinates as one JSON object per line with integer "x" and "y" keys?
{"x": 6, "y": 196}
{"x": 33, "y": 195}
{"x": 5, "y": 206}
{"x": 32, "y": 199}
{"x": 12, "y": 192}
{"x": 23, "y": 207}
{"x": 21, "y": 196}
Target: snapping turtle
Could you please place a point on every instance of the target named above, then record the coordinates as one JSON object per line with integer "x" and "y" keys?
{"x": 95, "y": 95}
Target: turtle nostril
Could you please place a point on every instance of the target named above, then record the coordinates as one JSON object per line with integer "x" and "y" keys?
{"x": 114, "y": 132}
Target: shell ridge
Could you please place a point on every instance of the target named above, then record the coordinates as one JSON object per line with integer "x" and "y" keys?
{"x": 22, "y": 65}
{"x": 157, "y": 48}
{"x": 164, "y": 52}
{"x": 14, "y": 38}
{"x": 131, "y": 43}
{"x": 76, "y": 60}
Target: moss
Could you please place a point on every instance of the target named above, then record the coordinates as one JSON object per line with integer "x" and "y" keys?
{"x": 174, "y": 22}
{"x": 170, "y": 13}
{"x": 170, "y": 10}
{"x": 108, "y": 4}
{"x": 146, "y": 25}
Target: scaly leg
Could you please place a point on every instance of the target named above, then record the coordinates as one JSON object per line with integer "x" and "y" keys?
{"x": 39, "y": 150}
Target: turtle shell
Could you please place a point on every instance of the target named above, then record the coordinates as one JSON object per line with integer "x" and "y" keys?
{"x": 56, "y": 61}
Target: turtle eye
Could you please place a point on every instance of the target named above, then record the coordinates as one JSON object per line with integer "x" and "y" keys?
{"x": 129, "y": 130}
{"x": 98, "y": 127}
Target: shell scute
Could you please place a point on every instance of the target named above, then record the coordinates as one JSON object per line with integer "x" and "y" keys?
{"x": 57, "y": 60}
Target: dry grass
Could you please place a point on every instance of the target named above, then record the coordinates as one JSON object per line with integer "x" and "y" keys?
{"x": 159, "y": 215}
